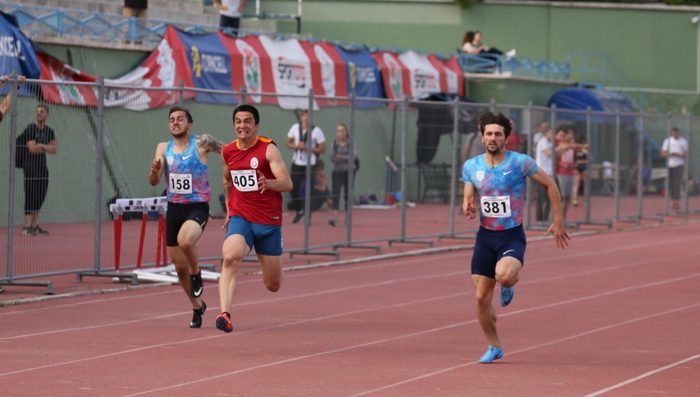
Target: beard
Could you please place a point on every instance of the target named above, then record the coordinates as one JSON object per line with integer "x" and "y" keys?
{"x": 181, "y": 134}
{"x": 497, "y": 150}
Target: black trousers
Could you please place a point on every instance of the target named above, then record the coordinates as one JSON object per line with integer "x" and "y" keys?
{"x": 298, "y": 176}
{"x": 675, "y": 178}
{"x": 35, "y": 188}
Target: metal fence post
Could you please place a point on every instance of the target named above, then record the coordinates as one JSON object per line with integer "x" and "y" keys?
{"x": 640, "y": 169}
{"x": 244, "y": 94}
{"x": 687, "y": 167}
{"x": 13, "y": 179}
{"x": 181, "y": 93}
{"x": 351, "y": 169}
{"x": 617, "y": 165}
{"x": 455, "y": 163}
{"x": 588, "y": 165}
{"x": 528, "y": 150}
{"x": 99, "y": 157}
{"x": 667, "y": 195}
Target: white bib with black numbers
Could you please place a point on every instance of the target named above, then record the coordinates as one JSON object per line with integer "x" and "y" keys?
{"x": 181, "y": 183}
{"x": 245, "y": 180}
{"x": 495, "y": 206}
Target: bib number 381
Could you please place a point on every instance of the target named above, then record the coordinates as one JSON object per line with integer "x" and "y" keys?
{"x": 245, "y": 180}
{"x": 181, "y": 183}
{"x": 495, "y": 206}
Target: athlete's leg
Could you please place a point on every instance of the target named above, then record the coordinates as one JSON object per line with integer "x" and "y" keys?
{"x": 183, "y": 273}
{"x": 508, "y": 271}
{"x": 272, "y": 271}
{"x": 187, "y": 238}
{"x": 485, "y": 311}
{"x": 234, "y": 250}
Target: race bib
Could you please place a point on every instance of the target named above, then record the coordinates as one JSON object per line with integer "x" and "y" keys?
{"x": 181, "y": 183}
{"x": 245, "y": 180}
{"x": 495, "y": 206}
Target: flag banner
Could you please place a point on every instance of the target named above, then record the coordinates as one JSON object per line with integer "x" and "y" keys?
{"x": 362, "y": 76}
{"x": 16, "y": 53}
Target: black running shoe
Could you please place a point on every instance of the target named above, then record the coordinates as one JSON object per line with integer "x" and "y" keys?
{"x": 196, "y": 287}
{"x": 197, "y": 316}
{"x": 40, "y": 232}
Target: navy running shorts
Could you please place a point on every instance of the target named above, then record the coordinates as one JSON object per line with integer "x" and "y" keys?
{"x": 267, "y": 239}
{"x": 492, "y": 245}
{"x": 178, "y": 214}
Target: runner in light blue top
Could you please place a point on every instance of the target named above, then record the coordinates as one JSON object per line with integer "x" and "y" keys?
{"x": 498, "y": 178}
{"x": 186, "y": 175}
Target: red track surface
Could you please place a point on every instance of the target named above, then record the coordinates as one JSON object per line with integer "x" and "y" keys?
{"x": 616, "y": 314}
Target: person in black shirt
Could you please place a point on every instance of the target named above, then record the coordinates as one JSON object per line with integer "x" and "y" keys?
{"x": 38, "y": 139}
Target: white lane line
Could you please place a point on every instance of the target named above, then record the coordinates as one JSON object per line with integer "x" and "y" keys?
{"x": 568, "y": 338}
{"x": 642, "y": 376}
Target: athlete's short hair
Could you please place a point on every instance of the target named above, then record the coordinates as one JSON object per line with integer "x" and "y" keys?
{"x": 247, "y": 108}
{"x": 181, "y": 109}
{"x": 490, "y": 118}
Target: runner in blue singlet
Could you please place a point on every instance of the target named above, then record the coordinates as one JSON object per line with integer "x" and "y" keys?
{"x": 497, "y": 178}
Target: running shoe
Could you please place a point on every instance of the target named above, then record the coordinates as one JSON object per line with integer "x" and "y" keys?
{"x": 197, "y": 316}
{"x": 333, "y": 222}
{"x": 493, "y": 353}
{"x": 574, "y": 203}
{"x": 297, "y": 218}
{"x": 40, "y": 232}
{"x": 223, "y": 322}
{"x": 28, "y": 231}
{"x": 196, "y": 287}
{"x": 507, "y": 295}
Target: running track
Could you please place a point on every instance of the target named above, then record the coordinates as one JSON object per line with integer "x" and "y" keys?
{"x": 616, "y": 314}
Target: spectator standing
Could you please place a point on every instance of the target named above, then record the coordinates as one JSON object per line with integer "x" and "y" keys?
{"x": 675, "y": 149}
{"x": 35, "y": 142}
{"x": 136, "y": 8}
{"x": 543, "y": 157}
{"x": 566, "y": 166}
{"x": 340, "y": 156}
{"x": 230, "y": 13}
{"x": 297, "y": 139}
{"x": 581, "y": 170}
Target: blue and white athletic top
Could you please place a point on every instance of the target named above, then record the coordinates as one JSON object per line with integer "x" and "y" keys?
{"x": 501, "y": 188}
{"x": 186, "y": 175}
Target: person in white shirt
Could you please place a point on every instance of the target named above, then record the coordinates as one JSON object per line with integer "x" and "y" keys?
{"x": 230, "y": 13}
{"x": 543, "y": 157}
{"x": 297, "y": 139}
{"x": 675, "y": 149}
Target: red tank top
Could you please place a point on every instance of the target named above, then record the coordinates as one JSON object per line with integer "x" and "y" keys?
{"x": 244, "y": 198}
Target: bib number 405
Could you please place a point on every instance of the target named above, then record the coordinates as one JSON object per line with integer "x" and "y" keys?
{"x": 245, "y": 180}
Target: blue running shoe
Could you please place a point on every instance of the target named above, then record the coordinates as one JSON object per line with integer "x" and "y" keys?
{"x": 493, "y": 353}
{"x": 507, "y": 295}
{"x": 223, "y": 322}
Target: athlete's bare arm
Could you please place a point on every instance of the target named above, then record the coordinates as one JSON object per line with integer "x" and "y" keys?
{"x": 209, "y": 143}
{"x": 282, "y": 181}
{"x": 557, "y": 227}
{"x": 228, "y": 183}
{"x": 469, "y": 203}
{"x": 157, "y": 165}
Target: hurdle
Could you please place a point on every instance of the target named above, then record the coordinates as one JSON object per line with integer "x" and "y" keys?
{"x": 162, "y": 273}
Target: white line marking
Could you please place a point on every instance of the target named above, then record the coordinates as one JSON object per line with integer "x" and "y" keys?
{"x": 627, "y": 382}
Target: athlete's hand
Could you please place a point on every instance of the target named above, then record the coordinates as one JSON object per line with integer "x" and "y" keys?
{"x": 263, "y": 183}
{"x": 560, "y": 236}
{"x": 469, "y": 208}
{"x": 156, "y": 166}
{"x": 225, "y": 225}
